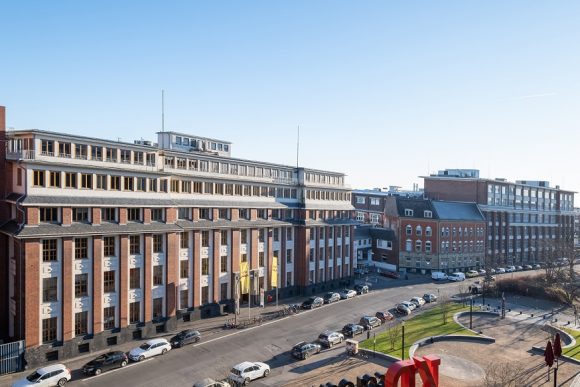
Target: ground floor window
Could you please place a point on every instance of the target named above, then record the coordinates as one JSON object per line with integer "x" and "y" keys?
{"x": 184, "y": 299}
{"x": 81, "y": 323}
{"x": 205, "y": 295}
{"x": 157, "y": 308}
{"x": 109, "y": 317}
{"x": 224, "y": 292}
{"x": 49, "y": 326}
{"x": 134, "y": 312}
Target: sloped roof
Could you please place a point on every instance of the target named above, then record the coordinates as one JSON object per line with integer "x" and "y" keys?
{"x": 419, "y": 206}
{"x": 457, "y": 211}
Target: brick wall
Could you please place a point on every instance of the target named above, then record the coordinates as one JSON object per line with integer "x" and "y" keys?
{"x": 32, "y": 216}
{"x": 172, "y": 273}
{"x": 67, "y": 289}
{"x": 97, "y": 284}
{"x": 66, "y": 216}
{"x": 32, "y": 332}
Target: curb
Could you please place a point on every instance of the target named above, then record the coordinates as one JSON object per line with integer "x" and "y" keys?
{"x": 370, "y": 352}
{"x": 430, "y": 340}
{"x": 540, "y": 351}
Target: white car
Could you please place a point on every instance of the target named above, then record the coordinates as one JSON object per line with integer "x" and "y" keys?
{"x": 500, "y": 270}
{"x": 149, "y": 349}
{"x": 510, "y": 269}
{"x": 347, "y": 293}
{"x": 245, "y": 372}
{"x": 411, "y": 306}
{"x": 456, "y": 277}
{"x": 52, "y": 375}
{"x": 418, "y": 301}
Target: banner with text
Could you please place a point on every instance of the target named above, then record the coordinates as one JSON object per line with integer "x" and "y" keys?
{"x": 244, "y": 278}
{"x": 274, "y": 276}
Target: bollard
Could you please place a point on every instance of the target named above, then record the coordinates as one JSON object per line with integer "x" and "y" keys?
{"x": 520, "y": 312}
{"x": 532, "y": 315}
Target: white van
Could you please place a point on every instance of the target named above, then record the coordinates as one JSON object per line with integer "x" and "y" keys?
{"x": 457, "y": 277}
{"x": 438, "y": 276}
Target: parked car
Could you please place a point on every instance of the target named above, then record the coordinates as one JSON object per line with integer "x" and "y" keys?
{"x": 409, "y": 305}
{"x": 185, "y": 337}
{"x": 481, "y": 271}
{"x": 347, "y": 293}
{"x": 418, "y": 301}
{"x": 402, "y": 310}
{"x": 331, "y": 297}
{"x": 510, "y": 269}
{"x": 456, "y": 277}
{"x": 149, "y": 349}
{"x": 429, "y": 297}
{"x": 361, "y": 289}
{"x": 304, "y": 350}
{"x": 245, "y": 372}
{"x": 351, "y": 330}
{"x": 528, "y": 267}
{"x": 389, "y": 274}
{"x": 519, "y": 268}
{"x": 492, "y": 271}
{"x": 329, "y": 338}
{"x": 52, "y": 375}
{"x": 472, "y": 273}
{"x": 209, "y": 382}
{"x": 438, "y": 276}
{"x": 370, "y": 322}
{"x": 537, "y": 266}
{"x": 384, "y": 316}
{"x": 312, "y": 302}
{"x": 105, "y": 362}
{"x": 500, "y": 270}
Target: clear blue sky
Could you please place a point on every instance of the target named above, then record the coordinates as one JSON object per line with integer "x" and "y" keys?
{"x": 382, "y": 90}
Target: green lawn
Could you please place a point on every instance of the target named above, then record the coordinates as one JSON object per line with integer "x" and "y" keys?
{"x": 427, "y": 324}
{"x": 575, "y": 350}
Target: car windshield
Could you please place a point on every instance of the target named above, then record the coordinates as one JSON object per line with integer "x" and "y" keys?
{"x": 33, "y": 377}
{"x": 235, "y": 371}
{"x": 144, "y": 347}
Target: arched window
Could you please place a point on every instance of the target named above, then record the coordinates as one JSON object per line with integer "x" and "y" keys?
{"x": 409, "y": 229}
{"x": 418, "y": 245}
{"x": 428, "y": 231}
{"x": 419, "y": 230}
{"x": 409, "y": 245}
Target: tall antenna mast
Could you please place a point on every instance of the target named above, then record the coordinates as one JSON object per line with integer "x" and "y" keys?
{"x": 163, "y": 110}
{"x": 298, "y": 146}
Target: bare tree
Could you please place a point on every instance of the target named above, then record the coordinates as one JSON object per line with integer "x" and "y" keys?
{"x": 462, "y": 289}
{"x": 394, "y": 333}
{"x": 504, "y": 374}
{"x": 445, "y": 305}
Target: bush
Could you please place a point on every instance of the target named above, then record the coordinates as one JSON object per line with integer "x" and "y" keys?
{"x": 531, "y": 286}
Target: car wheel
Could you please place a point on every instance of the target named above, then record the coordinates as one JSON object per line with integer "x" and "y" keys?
{"x": 164, "y": 351}
{"x": 98, "y": 371}
{"x": 246, "y": 381}
{"x": 123, "y": 363}
{"x": 62, "y": 382}
{"x": 266, "y": 373}
{"x": 141, "y": 358}
{"x": 306, "y": 356}
{"x": 330, "y": 344}
{"x": 340, "y": 341}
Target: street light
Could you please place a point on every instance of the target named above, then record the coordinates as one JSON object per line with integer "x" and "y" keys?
{"x": 403, "y": 344}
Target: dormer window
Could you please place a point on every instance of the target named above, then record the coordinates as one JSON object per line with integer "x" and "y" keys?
{"x": 427, "y": 214}
{"x": 178, "y": 140}
{"x": 408, "y": 212}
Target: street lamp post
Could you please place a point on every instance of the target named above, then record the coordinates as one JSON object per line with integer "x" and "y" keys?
{"x": 403, "y": 343}
{"x": 471, "y": 313}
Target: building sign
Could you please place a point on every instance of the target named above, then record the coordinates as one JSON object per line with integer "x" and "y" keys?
{"x": 405, "y": 371}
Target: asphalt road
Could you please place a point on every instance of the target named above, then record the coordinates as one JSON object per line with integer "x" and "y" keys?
{"x": 214, "y": 356}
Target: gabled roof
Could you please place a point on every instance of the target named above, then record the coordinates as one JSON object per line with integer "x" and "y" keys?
{"x": 457, "y": 211}
{"x": 419, "y": 206}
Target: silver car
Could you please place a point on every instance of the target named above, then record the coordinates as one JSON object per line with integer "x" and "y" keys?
{"x": 330, "y": 338}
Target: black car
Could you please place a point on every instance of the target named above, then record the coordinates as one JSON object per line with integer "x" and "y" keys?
{"x": 331, "y": 297}
{"x": 312, "y": 302}
{"x": 351, "y": 330}
{"x": 304, "y": 350}
{"x": 105, "y": 362}
{"x": 361, "y": 289}
{"x": 185, "y": 337}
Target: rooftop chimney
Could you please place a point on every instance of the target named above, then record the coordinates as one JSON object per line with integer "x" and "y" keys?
{"x": 2, "y": 119}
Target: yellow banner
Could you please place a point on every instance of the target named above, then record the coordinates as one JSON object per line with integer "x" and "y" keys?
{"x": 274, "y": 276}
{"x": 244, "y": 278}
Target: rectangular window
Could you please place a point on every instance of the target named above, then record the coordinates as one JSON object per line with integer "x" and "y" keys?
{"x": 204, "y": 295}
{"x": 81, "y": 248}
{"x": 50, "y": 289}
{"x": 174, "y": 185}
{"x": 205, "y": 266}
{"x": 185, "y": 186}
{"x": 128, "y": 183}
{"x": 109, "y": 317}
{"x": 109, "y": 246}
{"x": 134, "y": 214}
{"x": 134, "y": 312}
{"x": 111, "y": 155}
{"x": 157, "y": 275}
{"x": 47, "y": 147}
{"x": 277, "y": 234}
{"x": 223, "y": 213}
{"x": 108, "y": 214}
{"x": 81, "y": 151}
{"x": 183, "y": 213}
{"x": 70, "y": 179}
{"x": 101, "y": 182}
{"x": 224, "y": 238}
{"x": 157, "y": 308}
{"x": 97, "y": 153}
{"x": 224, "y": 263}
{"x": 184, "y": 269}
{"x": 125, "y": 156}
{"x": 289, "y": 256}
{"x": 152, "y": 185}
{"x": 141, "y": 184}
{"x": 49, "y": 250}
{"x": 115, "y": 183}
{"x": 184, "y": 299}
{"x": 38, "y": 178}
{"x": 48, "y": 214}
{"x": 184, "y": 240}
{"x": 289, "y": 234}
{"x": 224, "y": 291}
{"x": 54, "y": 179}
{"x": 261, "y": 259}
{"x": 49, "y": 326}
{"x": 205, "y": 238}
{"x": 135, "y": 278}
{"x": 64, "y": 149}
{"x": 244, "y": 258}
{"x": 138, "y": 158}
{"x": 243, "y": 237}
{"x": 86, "y": 180}
{"x": 157, "y": 243}
{"x": 81, "y": 285}
{"x": 109, "y": 281}
{"x": 80, "y": 214}
{"x": 134, "y": 244}
{"x": 81, "y": 323}
{"x": 157, "y": 214}
{"x": 204, "y": 213}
